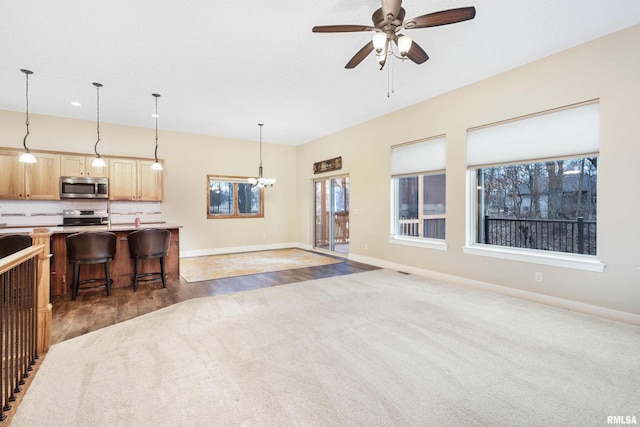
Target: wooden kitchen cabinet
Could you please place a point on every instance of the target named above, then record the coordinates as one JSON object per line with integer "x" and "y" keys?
{"x": 78, "y": 165}
{"x": 37, "y": 181}
{"x": 132, "y": 179}
{"x": 12, "y": 180}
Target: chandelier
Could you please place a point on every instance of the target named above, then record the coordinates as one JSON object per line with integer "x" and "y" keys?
{"x": 261, "y": 182}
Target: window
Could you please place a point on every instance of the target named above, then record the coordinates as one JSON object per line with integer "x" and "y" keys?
{"x": 418, "y": 192}
{"x": 535, "y": 182}
{"x": 545, "y": 205}
{"x": 233, "y": 197}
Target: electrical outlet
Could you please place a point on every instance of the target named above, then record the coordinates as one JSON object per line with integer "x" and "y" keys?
{"x": 366, "y": 246}
{"x": 538, "y": 277}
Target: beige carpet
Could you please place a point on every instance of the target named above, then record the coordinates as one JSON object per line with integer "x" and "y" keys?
{"x": 369, "y": 349}
{"x": 210, "y": 267}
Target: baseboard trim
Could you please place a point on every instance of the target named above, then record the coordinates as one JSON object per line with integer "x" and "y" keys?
{"x": 607, "y": 313}
{"x": 237, "y": 249}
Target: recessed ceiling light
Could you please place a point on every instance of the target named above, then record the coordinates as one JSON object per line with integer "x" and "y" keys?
{"x": 76, "y": 104}
{"x": 155, "y": 115}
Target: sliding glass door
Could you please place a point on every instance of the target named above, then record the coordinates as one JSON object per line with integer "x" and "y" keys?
{"x": 332, "y": 214}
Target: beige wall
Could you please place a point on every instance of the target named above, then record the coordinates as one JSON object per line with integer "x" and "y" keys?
{"x": 188, "y": 160}
{"x": 607, "y": 68}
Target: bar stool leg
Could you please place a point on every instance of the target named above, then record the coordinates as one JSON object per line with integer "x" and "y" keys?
{"x": 76, "y": 281}
{"x": 164, "y": 283}
{"x": 107, "y": 273}
{"x": 135, "y": 275}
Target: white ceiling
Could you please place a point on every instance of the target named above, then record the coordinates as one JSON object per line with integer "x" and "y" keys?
{"x": 224, "y": 66}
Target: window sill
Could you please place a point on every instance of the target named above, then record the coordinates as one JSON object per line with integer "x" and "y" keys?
{"x": 419, "y": 242}
{"x": 575, "y": 261}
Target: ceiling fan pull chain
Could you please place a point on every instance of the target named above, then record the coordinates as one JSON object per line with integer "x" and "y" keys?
{"x": 391, "y": 87}
{"x": 393, "y": 79}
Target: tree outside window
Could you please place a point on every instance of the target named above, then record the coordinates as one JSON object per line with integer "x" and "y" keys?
{"x": 549, "y": 205}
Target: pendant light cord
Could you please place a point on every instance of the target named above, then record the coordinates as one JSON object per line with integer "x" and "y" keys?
{"x": 95, "y": 147}
{"x": 260, "y": 124}
{"x": 156, "y": 96}
{"x": 24, "y": 141}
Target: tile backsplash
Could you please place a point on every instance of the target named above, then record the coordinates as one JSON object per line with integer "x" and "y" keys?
{"x": 49, "y": 212}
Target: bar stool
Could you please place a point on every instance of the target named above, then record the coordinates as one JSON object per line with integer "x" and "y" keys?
{"x": 148, "y": 243}
{"x": 12, "y": 243}
{"x": 91, "y": 247}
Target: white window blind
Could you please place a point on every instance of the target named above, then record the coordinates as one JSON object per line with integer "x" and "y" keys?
{"x": 560, "y": 133}
{"x": 424, "y": 156}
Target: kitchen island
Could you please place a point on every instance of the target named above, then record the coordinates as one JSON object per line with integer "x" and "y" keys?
{"x": 122, "y": 264}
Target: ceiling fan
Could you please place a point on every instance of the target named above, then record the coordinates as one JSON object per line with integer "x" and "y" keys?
{"x": 388, "y": 21}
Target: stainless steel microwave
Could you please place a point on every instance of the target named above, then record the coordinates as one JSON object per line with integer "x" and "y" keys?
{"x": 76, "y": 187}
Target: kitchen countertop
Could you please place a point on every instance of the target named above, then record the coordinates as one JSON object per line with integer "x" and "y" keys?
{"x": 77, "y": 229}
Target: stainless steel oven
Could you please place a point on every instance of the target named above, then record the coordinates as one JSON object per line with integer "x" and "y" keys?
{"x": 79, "y": 217}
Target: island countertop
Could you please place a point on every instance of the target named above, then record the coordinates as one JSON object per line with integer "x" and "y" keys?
{"x": 78, "y": 229}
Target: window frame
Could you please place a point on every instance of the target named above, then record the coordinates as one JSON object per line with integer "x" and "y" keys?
{"x": 235, "y": 180}
{"x": 535, "y": 256}
{"x": 434, "y": 149}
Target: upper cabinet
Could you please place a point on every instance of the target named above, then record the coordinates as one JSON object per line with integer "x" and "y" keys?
{"x": 131, "y": 179}
{"x": 79, "y": 165}
{"x": 37, "y": 181}
{"x": 12, "y": 180}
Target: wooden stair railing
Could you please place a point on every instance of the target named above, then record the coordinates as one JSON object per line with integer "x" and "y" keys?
{"x": 25, "y": 313}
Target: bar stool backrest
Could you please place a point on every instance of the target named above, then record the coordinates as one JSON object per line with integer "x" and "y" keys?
{"x": 12, "y": 243}
{"x": 149, "y": 243}
{"x": 91, "y": 247}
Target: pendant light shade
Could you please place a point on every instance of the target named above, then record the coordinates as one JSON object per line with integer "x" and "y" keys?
{"x": 260, "y": 181}
{"x": 156, "y": 165}
{"x": 27, "y": 157}
{"x": 98, "y": 162}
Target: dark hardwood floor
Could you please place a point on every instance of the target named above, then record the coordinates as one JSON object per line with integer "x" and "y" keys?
{"x": 93, "y": 309}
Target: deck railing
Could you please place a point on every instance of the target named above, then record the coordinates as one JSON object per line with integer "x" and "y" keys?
{"x": 432, "y": 227}
{"x": 572, "y": 236}
{"x": 25, "y": 315}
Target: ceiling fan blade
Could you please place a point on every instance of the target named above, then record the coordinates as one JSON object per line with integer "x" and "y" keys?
{"x": 341, "y": 28}
{"x": 358, "y": 57}
{"x": 391, "y": 9}
{"x": 416, "y": 54}
{"x": 443, "y": 17}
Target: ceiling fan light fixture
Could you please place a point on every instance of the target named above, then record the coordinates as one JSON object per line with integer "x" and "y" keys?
{"x": 404, "y": 44}
{"x": 379, "y": 41}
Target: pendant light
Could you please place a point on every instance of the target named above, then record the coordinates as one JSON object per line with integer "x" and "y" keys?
{"x": 27, "y": 157}
{"x": 261, "y": 182}
{"x": 156, "y": 165}
{"x": 98, "y": 162}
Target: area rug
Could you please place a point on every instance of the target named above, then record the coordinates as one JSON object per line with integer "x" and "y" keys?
{"x": 197, "y": 269}
{"x": 368, "y": 349}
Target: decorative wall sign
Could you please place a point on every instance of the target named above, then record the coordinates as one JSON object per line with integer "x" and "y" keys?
{"x": 328, "y": 165}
